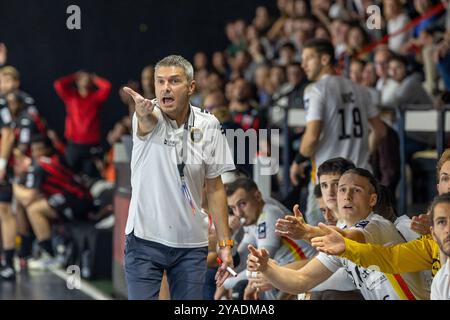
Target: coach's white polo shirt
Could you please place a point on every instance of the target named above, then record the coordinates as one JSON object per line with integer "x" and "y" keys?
{"x": 159, "y": 211}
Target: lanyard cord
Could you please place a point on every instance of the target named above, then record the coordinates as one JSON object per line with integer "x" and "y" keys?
{"x": 181, "y": 165}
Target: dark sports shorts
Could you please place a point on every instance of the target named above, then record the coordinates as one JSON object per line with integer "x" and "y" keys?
{"x": 69, "y": 207}
{"x": 5, "y": 192}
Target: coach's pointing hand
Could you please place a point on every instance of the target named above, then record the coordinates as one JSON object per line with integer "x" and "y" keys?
{"x": 144, "y": 112}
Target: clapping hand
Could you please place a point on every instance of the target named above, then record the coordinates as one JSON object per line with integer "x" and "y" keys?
{"x": 292, "y": 226}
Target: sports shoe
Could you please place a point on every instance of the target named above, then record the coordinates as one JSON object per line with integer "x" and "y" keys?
{"x": 45, "y": 262}
{"x": 7, "y": 273}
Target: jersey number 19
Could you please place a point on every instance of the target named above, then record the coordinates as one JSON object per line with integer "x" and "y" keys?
{"x": 357, "y": 125}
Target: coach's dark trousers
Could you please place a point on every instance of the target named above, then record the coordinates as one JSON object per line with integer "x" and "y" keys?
{"x": 145, "y": 262}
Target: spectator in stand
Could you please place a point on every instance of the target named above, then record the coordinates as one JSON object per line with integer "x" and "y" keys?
{"x": 297, "y": 79}
{"x": 201, "y": 79}
{"x": 414, "y": 44}
{"x": 385, "y": 85}
{"x": 219, "y": 64}
{"x": 3, "y": 54}
{"x": 369, "y": 76}
{"x": 242, "y": 106}
{"x": 356, "y": 71}
{"x": 357, "y": 39}
{"x": 200, "y": 61}
{"x": 262, "y": 20}
{"x": 322, "y": 32}
{"x": 396, "y": 19}
{"x": 242, "y": 66}
{"x": 410, "y": 89}
{"x": 277, "y": 78}
{"x": 237, "y": 43}
{"x": 262, "y": 79}
{"x": 82, "y": 130}
{"x": 321, "y": 9}
{"x": 147, "y": 83}
{"x": 286, "y": 54}
{"x": 442, "y": 58}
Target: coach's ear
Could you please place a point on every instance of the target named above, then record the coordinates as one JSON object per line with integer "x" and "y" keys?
{"x": 192, "y": 86}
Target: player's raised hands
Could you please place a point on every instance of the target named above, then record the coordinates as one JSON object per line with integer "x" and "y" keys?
{"x": 421, "y": 223}
{"x": 292, "y": 226}
{"x": 257, "y": 260}
{"x": 331, "y": 243}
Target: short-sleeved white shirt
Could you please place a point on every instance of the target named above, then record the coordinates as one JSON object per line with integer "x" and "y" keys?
{"x": 159, "y": 211}
{"x": 344, "y": 109}
{"x": 375, "y": 285}
{"x": 440, "y": 288}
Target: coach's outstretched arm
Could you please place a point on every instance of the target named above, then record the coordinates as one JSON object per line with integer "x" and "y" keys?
{"x": 147, "y": 120}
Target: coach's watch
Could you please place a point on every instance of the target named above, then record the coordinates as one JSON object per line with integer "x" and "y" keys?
{"x": 226, "y": 243}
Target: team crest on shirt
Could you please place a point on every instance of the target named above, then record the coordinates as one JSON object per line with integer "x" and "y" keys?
{"x": 306, "y": 103}
{"x": 262, "y": 230}
{"x": 362, "y": 224}
{"x": 196, "y": 135}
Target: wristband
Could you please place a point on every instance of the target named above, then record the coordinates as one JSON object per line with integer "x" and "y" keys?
{"x": 226, "y": 243}
{"x": 299, "y": 158}
{"x": 3, "y": 163}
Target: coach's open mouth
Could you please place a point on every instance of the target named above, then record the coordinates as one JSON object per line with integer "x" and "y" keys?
{"x": 168, "y": 100}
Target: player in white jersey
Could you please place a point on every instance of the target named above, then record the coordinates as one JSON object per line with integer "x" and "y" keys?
{"x": 338, "y": 116}
{"x": 356, "y": 199}
{"x": 246, "y": 202}
{"x": 339, "y": 285}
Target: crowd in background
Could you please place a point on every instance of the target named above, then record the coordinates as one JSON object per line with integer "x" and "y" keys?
{"x": 249, "y": 85}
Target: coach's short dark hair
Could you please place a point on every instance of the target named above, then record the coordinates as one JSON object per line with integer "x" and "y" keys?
{"x": 322, "y": 46}
{"x": 335, "y": 166}
{"x": 245, "y": 183}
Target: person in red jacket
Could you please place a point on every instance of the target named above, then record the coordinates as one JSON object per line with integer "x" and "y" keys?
{"x": 82, "y": 125}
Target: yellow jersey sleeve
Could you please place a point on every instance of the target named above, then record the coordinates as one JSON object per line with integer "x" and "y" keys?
{"x": 412, "y": 256}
